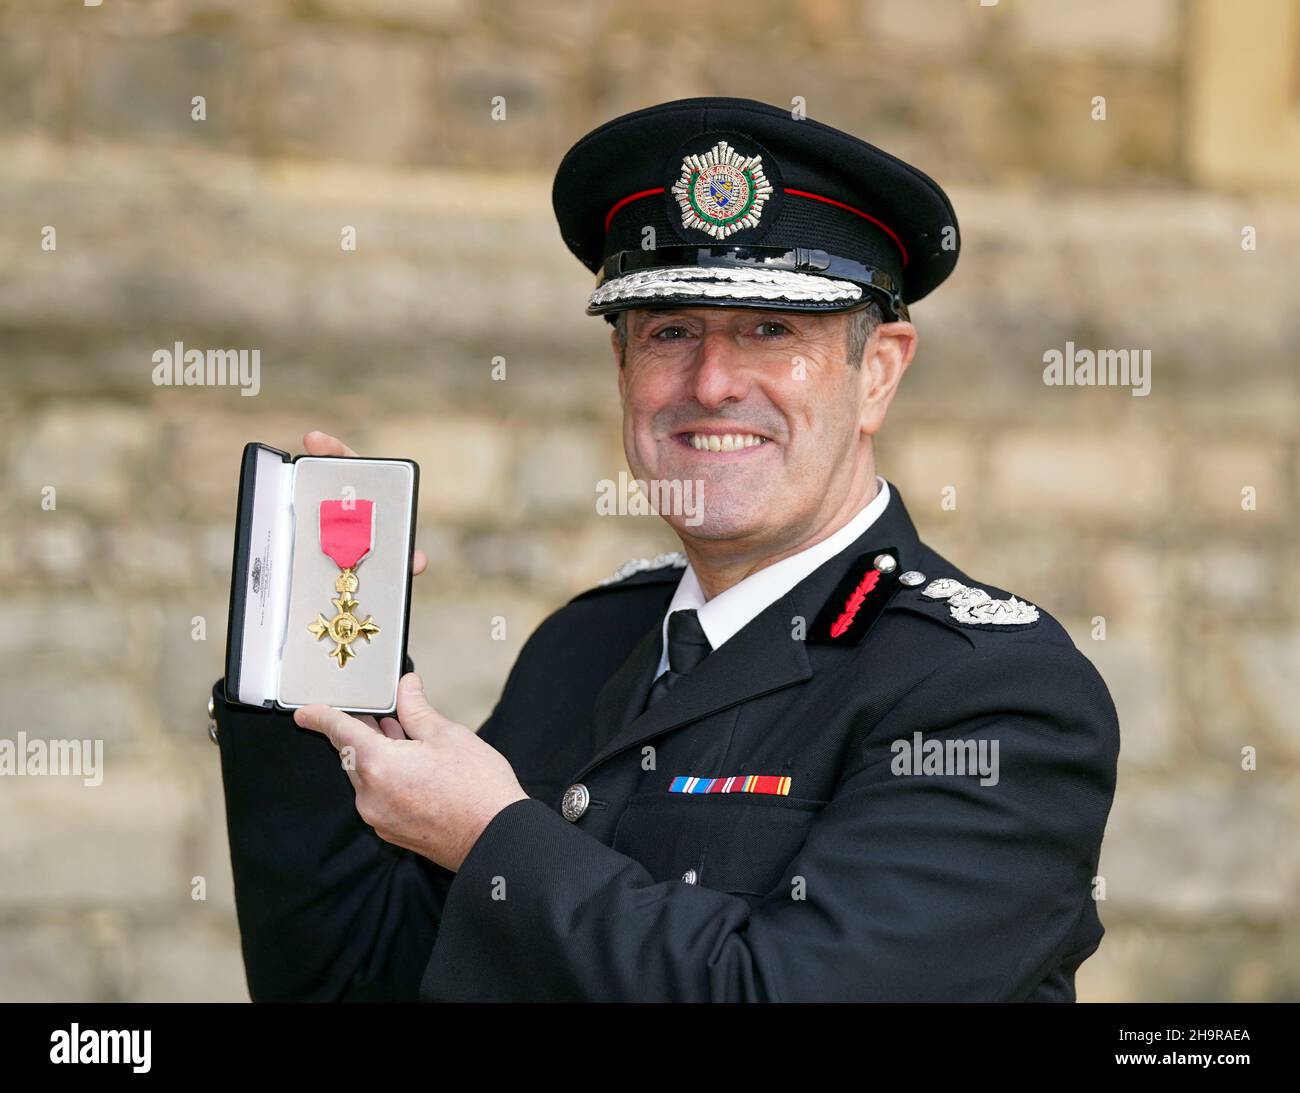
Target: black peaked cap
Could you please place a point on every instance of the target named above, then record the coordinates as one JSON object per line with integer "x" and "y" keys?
{"x": 730, "y": 202}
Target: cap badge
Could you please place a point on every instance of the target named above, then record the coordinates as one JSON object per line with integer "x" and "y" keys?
{"x": 720, "y": 191}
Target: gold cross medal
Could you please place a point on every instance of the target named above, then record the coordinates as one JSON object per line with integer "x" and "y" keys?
{"x": 347, "y": 532}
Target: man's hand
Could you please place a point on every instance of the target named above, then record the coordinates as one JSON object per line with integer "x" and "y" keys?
{"x": 318, "y": 443}
{"x": 422, "y": 782}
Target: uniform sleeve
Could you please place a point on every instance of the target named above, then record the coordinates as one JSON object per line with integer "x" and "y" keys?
{"x": 914, "y": 888}
{"x": 328, "y": 911}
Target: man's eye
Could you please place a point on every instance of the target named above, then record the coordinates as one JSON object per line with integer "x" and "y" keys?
{"x": 669, "y": 333}
{"x": 772, "y": 329}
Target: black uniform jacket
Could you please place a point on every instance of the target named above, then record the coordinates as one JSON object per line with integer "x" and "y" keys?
{"x": 863, "y": 882}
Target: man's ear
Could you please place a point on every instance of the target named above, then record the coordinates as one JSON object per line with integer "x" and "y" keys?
{"x": 889, "y": 352}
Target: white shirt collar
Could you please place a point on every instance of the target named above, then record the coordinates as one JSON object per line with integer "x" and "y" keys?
{"x": 725, "y": 614}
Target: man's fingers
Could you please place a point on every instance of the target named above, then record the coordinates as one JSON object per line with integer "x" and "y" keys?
{"x": 418, "y": 561}
{"x": 343, "y": 730}
{"x": 418, "y": 718}
{"x": 392, "y": 728}
{"x": 318, "y": 443}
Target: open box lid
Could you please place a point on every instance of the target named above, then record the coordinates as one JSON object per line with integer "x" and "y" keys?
{"x": 280, "y": 573}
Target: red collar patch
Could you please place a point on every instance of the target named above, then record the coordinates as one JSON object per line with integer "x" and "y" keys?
{"x": 858, "y": 599}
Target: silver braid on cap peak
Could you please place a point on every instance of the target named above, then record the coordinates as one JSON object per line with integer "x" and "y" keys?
{"x": 636, "y": 565}
{"x": 722, "y": 282}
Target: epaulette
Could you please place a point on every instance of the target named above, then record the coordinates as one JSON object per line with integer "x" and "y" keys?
{"x": 673, "y": 558}
{"x": 970, "y": 606}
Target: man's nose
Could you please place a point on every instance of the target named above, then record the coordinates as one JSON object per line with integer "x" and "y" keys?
{"x": 720, "y": 370}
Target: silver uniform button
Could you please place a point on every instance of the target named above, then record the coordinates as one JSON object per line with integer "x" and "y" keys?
{"x": 911, "y": 578}
{"x": 886, "y": 563}
{"x": 212, "y": 719}
{"x": 690, "y": 876}
{"x": 575, "y": 802}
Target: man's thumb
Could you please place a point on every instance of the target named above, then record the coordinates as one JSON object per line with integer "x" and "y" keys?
{"x": 417, "y": 717}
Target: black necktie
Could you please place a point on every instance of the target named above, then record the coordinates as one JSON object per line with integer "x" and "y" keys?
{"x": 687, "y": 646}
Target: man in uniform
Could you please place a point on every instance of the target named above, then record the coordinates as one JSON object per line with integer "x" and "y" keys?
{"x": 806, "y": 759}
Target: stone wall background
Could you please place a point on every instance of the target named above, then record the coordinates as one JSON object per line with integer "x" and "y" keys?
{"x": 376, "y": 114}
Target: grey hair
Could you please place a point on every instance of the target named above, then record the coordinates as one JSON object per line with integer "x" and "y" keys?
{"x": 862, "y": 324}
{"x": 863, "y": 321}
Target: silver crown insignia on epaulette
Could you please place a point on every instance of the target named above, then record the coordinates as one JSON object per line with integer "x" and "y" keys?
{"x": 636, "y": 565}
{"x": 975, "y": 607}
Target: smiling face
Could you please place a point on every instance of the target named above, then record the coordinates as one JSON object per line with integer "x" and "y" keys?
{"x": 762, "y": 409}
